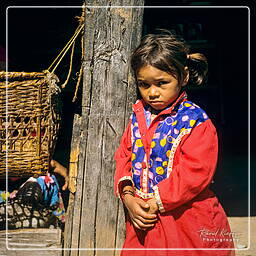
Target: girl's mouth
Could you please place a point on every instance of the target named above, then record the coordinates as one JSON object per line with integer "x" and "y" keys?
{"x": 155, "y": 102}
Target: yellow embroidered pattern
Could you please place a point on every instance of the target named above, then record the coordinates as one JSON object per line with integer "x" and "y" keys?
{"x": 173, "y": 149}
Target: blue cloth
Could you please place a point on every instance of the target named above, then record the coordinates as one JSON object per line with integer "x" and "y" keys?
{"x": 50, "y": 189}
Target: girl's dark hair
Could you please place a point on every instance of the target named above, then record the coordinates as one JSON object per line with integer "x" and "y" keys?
{"x": 171, "y": 54}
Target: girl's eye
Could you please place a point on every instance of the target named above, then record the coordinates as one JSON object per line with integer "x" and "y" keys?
{"x": 143, "y": 84}
{"x": 162, "y": 83}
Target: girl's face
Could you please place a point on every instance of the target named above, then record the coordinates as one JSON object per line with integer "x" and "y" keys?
{"x": 157, "y": 88}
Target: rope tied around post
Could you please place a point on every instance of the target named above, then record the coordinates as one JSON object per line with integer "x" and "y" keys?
{"x": 71, "y": 45}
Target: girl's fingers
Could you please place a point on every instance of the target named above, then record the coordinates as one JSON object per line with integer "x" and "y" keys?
{"x": 142, "y": 225}
{"x": 146, "y": 221}
{"x": 145, "y": 215}
{"x": 135, "y": 224}
{"x": 145, "y": 207}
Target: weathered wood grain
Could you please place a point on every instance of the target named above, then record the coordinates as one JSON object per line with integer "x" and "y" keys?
{"x": 95, "y": 218}
{"x": 23, "y": 242}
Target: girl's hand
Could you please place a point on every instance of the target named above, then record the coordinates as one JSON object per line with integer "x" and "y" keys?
{"x": 61, "y": 170}
{"x": 153, "y": 206}
{"x": 138, "y": 212}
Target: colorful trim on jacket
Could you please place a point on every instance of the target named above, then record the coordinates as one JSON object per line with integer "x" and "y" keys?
{"x": 147, "y": 173}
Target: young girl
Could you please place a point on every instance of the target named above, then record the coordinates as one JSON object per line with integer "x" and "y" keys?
{"x": 167, "y": 159}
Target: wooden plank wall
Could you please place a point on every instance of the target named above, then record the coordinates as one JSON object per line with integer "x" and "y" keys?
{"x": 25, "y": 242}
{"x": 95, "y": 216}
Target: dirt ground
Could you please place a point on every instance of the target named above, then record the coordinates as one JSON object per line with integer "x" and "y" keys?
{"x": 244, "y": 230}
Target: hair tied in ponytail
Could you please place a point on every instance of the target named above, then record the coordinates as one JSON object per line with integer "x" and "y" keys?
{"x": 170, "y": 53}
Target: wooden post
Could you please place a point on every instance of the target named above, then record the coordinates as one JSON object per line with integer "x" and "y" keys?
{"x": 95, "y": 216}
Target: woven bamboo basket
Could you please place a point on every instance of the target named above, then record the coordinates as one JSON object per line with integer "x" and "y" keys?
{"x": 29, "y": 122}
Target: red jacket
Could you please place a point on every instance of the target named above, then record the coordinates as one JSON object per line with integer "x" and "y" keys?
{"x": 190, "y": 215}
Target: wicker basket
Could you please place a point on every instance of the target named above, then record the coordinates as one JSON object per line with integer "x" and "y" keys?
{"x": 29, "y": 122}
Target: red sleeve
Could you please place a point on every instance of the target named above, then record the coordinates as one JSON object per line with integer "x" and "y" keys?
{"x": 123, "y": 161}
{"x": 196, "y": 159}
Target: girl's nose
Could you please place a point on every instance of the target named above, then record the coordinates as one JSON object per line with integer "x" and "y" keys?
{"x": 153, "y": 92}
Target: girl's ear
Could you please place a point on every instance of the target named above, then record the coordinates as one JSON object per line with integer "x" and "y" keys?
{"x": 185, "y": 81}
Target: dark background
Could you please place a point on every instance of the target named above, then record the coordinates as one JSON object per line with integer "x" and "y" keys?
{"x": 36, "y": 36}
